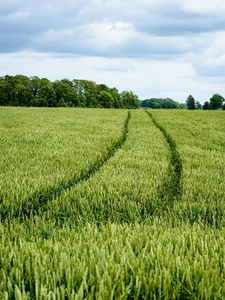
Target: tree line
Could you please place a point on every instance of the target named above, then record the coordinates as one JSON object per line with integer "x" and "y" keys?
{"x": 215, "y": 102}
{"x": 160, "y": 103}
{"x": 20, "y": 90}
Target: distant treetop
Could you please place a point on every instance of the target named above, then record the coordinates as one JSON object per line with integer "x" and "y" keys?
{"x": 190, "y": 102}
{"x": 21, "y": 90}
{"x": 160, "y": 103}
{"x": 215, "y": 102}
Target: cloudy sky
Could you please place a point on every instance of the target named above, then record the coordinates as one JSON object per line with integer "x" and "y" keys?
{"x": 155, "y": 48}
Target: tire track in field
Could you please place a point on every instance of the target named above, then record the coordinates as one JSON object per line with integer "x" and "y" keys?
{"x": 171, "y": 188}
{"x": 36, "y": 203}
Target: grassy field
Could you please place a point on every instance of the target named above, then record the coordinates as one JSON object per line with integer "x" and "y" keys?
{"x": 200, "y": 140}
{"x": 112, "y": 204}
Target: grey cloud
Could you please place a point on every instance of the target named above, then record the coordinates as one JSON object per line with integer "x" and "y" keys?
{"x": 116, "y": 39}
{"x": 210, "y": 61}
{"x": 13, "y": 41}
{"x": 160, "y": 28}
{"x": 20, "y": 28}
{"x": 180, "y": 25}
{"x": 210, "y": 71}
{"x": 110, "y": 41}
{"x": 164, "y": 18}
{"x": 37, "y": 17}
{"x": 213, "y": 67}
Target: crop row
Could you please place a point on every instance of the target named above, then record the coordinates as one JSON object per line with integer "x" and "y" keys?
{"x": 44, "y": 149}
{"x": 171, "y": 188}
{"x": 117, "y": 261}
{"x": 200, "y": 141}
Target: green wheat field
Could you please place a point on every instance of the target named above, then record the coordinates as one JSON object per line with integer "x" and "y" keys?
{"x": 112, "y": 204}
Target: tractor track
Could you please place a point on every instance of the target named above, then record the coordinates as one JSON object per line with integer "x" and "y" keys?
{"x": 36, "y": 204}
{"x": 171, "y": 189}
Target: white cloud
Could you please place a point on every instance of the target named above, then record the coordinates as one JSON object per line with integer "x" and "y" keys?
{"x": 204, "y": 6}
{"x": 210, "y": 61}
{"x": 116, "y": 39}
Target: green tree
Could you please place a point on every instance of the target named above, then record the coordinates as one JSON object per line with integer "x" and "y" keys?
{"x": 198, "y": 105}
{"x": 104, "y": 87}
{"x": 190, "y": 102}
{"x": 4, "y": 94}
{"x": 36, "y": 85}
{"x": 21, "y": 93}
{"x": 130, "y": 100}
{"x": 80, "y": 91}
{"x": 158, "y": 103}
{"x": 65, "y": 93}
{"x": 181, "y": 105}
{"x": 47, "y": 93}
{"x": 206, "y": 105}
{"x": 20, "y": 90}
{"x": 153, "y": 103}
{"x": 106, "y": 99}
{"x": 116, "y": 98}
{"x": 169, "y": 103}
{"x": 216, "y": 101}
